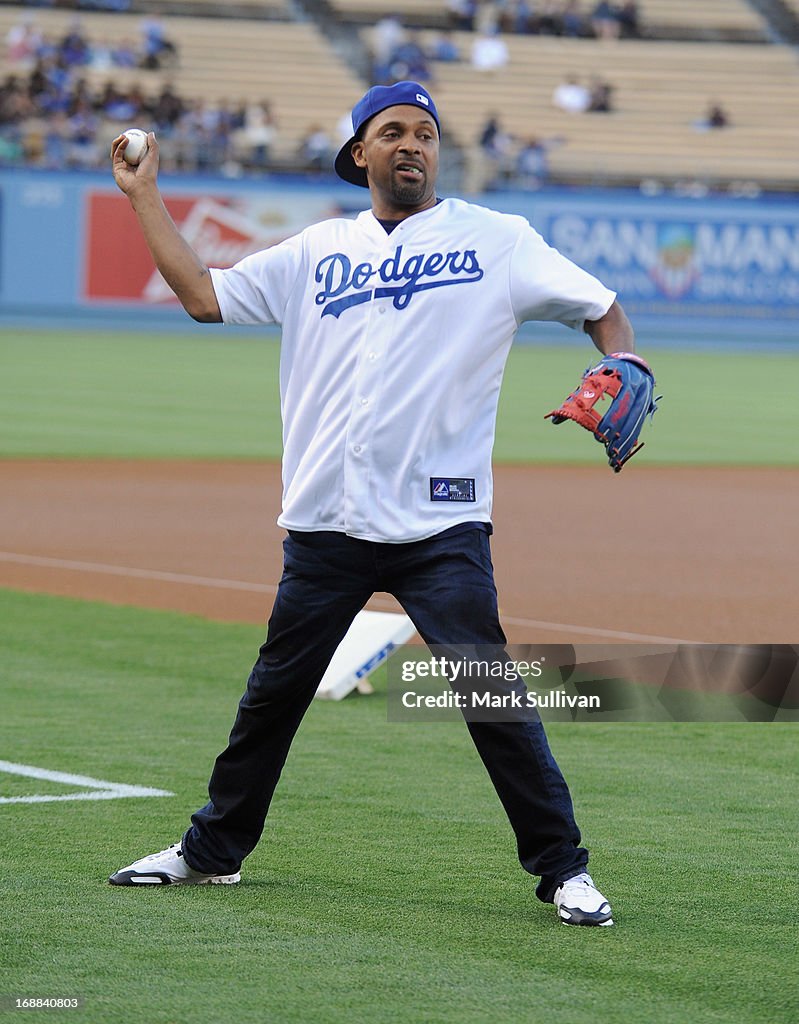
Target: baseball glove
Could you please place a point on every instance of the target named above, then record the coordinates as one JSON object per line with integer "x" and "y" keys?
{"x": 627, "y": 382}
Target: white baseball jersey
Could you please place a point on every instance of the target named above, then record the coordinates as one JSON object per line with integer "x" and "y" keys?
{"x": 392, "y": 356}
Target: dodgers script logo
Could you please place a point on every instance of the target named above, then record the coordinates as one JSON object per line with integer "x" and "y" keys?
{"x": 399, "y": 279}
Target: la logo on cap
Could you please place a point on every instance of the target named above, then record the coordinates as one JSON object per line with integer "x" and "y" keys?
{"x": 422, "y": 99}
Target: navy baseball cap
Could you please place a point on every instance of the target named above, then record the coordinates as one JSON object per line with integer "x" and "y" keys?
{"x": 379, "y": 98}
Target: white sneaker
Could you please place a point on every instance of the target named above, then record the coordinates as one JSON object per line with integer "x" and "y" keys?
{"x": 580, "y": 902}
{"x": 167, "y": 867}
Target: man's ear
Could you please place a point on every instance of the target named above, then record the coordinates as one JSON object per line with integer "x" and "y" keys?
{"x": 358, "y": 154}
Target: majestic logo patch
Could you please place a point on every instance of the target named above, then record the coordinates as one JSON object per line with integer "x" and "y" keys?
{"x": 396, "y": 278}
{"x": 446, "y": 488}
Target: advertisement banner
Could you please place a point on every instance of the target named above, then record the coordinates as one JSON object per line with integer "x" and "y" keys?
{"x": 714, "y": 266}
{"x": 222, "y": 229}
{"x": 709, "y": 261}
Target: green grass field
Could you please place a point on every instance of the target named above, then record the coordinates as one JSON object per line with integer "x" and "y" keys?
{"x": 184, "y": 396}
{"x": 386, "y": 888}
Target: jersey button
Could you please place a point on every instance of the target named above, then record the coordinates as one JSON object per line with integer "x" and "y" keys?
{"x": 381, "y": 309}
{"x": 364, "y": 401}
{"x": 372, "y": 356}
{"x": 356, "y": 448}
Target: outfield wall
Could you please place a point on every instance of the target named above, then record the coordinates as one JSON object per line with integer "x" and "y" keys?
{"x": 70, "y": 249}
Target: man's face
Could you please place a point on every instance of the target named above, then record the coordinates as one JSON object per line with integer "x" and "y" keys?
{"x": 399, "y": 151}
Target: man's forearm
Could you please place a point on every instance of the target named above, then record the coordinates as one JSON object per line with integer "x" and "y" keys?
{"x": 179, "y": 264}
{"x": 613, "y": 332}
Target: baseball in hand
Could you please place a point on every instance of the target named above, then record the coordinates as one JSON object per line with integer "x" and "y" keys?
{"x": 136, "y": 149}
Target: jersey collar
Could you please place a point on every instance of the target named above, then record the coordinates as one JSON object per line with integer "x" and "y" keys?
{"x": 368, "y": 220}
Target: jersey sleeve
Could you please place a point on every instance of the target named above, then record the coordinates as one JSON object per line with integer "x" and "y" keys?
{"x": 545, "y": 285}
{"x": 256, "y": 290}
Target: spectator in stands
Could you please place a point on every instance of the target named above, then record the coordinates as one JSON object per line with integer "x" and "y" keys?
{"x": 101, "y": 55}
{"x": 82, "y": 146}
{"x": 489, "y": 53}
{"x": 573, "y": 19}
{"x": 507, "y": 11}
{"x": 157, "y": 50}
{"x": 486, "y": 20}
{"x": 316, "y": 149}
{"x": 55, "y": 78}
{"x": 81, "y": 93}
{"x": 259, "y": 134}
{"x": 532, "y": 161}
{"x": 388, "y": 34}
{"x": 605, "y": 21}
{"x": 461, "y": 13}
{"x": 715, "y": 117}
{"x": 139, "y": 101}
{"x": 168, "y": 109}
{"x": 31, "y": 136}
{"x": 230, "y": 119}
{"x": 119, "y": 106}
{"x": 37, "y": 81}
{"x": 521, "y": 19}
{"x": 23, "y": 41}
{"x": 490, "y": 134}
{"x": 124, "y": 54}
{"x": 213, "y": 135}
{"x": 201, "y": 138}
{"x": 15, "y": 102}
{"x": 409, "y": 62}
{"x": 443, "y": 48}
{"x": 387, "y": 37}
{"x": 11, "y": 150}
{"x": 237, "y": 151}
{"x": 56, "y": 143}
{"x": 225, "y": 124}
{"x": 183, "y": 139}
{"x": 572, "y": 96}
{"x": 48, "y": 48}
{"x": 74, "y": 47}
{"x": 600, "y": 96}
{"x": 496, "y": 148}
{"x": 16, "y": 110}
{"x": 629, "y": 20}
{"x": 549, "y": 18}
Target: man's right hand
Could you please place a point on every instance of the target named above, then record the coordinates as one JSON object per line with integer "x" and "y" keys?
{"x": 179, "y": 264}
{"x": 130, "y": 178}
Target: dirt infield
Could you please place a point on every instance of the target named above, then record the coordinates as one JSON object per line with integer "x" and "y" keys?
{"x": 693, "y": 554}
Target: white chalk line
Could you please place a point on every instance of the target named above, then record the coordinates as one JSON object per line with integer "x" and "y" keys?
{"x": 265, "y": 588}
{"x": 611, "y": 634}
{"x": 131, "y": 573}
{"x": 97, "y": 789}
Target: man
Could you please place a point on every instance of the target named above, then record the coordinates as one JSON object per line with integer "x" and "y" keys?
{"x": 572, "y": 96}
{"x": 396, "y": 327}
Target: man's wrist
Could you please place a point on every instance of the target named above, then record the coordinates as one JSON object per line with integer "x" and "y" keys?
{"x": 144, "y": 193}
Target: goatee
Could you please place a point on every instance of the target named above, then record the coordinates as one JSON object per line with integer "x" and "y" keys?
{"x": 408, "y": 194}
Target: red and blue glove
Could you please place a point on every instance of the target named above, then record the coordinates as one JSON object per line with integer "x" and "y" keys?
{"x": 612, "y": 402}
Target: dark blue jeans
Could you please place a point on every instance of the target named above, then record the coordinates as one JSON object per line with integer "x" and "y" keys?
{"x": 446, "y": 586}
